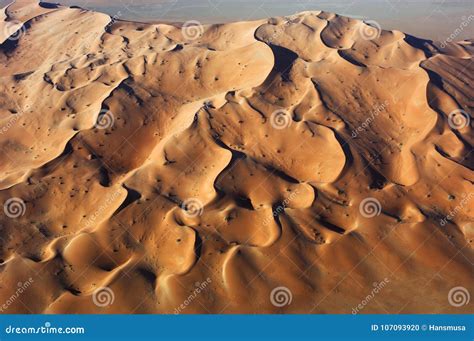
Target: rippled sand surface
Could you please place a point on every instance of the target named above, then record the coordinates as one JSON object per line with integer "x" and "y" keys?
{"x": 286, "y": 165}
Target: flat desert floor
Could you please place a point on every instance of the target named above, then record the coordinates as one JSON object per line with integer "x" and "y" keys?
{"x": 304, "y": 164}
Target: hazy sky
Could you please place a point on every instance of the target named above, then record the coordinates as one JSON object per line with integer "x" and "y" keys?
{"x": 434, "y": 19}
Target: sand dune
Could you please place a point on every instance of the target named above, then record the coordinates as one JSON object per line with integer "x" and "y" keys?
{"x": 151, "y": 160}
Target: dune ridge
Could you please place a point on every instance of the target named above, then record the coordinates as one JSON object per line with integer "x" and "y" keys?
{"x": 150, "y": 158}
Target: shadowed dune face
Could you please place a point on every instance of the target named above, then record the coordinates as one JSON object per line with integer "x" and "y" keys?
{"x": 161, "y": 169}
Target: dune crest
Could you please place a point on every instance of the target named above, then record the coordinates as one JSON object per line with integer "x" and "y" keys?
{"x": 149, "y": 159}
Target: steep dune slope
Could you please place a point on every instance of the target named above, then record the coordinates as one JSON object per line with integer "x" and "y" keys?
{"x": 314, "y": 153}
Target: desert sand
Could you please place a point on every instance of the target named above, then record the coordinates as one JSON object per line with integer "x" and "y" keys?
{"x": 287, "y": 165}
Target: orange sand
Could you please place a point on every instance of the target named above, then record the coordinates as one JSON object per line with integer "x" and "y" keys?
{"x": 149, "y": 159}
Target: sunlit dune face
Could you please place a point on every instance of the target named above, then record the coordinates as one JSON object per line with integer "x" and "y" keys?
{"x": 284, "y": 165}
